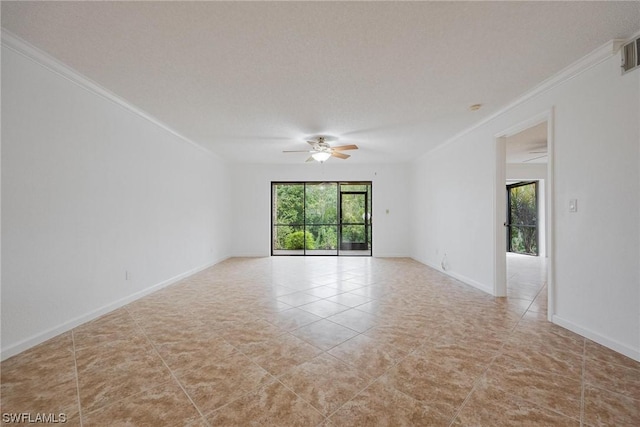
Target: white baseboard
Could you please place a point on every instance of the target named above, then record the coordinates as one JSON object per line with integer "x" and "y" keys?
{"x": 390, "y": 255}
{"x": 41, "y": 337}
{"x": 375, "y": 255}
{"x": 460, "y": 277}
{"x": 600, "y": 339}
{"x": 250, "y": 255}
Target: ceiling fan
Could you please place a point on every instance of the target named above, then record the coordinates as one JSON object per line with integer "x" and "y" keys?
{"x": 321, "y": 150}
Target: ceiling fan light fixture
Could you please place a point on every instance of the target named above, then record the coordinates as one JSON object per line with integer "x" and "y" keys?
{"x": 321, "y": 156}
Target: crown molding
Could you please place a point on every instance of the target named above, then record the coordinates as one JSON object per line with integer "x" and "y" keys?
{"x": 588, "y": 61}
{"x": 27, "y": 50}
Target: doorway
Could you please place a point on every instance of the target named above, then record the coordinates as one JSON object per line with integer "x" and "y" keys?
{"x": 524, "y": 211}
{"x": 354, "y": 221}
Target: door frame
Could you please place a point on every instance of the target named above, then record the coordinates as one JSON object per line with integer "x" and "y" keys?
{"x": 499, "y": 198}
{"x": 508, "y": 223}
{"x": 365, "y": 220}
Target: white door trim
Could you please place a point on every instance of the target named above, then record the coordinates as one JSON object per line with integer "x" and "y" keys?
{"x": 500, "y": 238}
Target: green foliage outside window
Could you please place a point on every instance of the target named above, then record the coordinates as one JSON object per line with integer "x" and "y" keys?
{"x": 524, "y": 216}
{"x": 297, "y": 240}
{"x": 314, "y": 208}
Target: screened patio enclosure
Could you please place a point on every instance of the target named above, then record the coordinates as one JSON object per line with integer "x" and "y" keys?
{"x": 321, "y": 218}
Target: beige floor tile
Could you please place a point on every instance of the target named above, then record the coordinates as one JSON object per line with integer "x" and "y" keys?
{"x": 217, "y": 384}
{"x": 325, "y": 382}
{"x": 372, "y": 307}
{"x": 607, "y": 408}
{"x": 271, "y": 405}
{"x": 193, "y": 354}
{"x": 298, "y": 299}
{"x": 278, "y": 291}
{"x": 558, "y": 360}
{"x": 291, "y": 319}
{"x": 384, "y": 406}
{"x": 617, "y": 378}
{"x": 349, "y": 299}
{"x": 344, "y": 285}
{"x": 546, "y": 338}
{"x": 516, "y": 305}
{"x": 491, "y": 406}
{"x": 372, "y": 359}
{"x": 440, "y": 377}
{"x": 103, "y": 384}
{"x": 371, "y": 291}
{"x": 404, "y": 339}
{"x": 165, "y": 330}
{"x": 540, "y": 304}
{"x": 596, "y": 351}
{"x": 51, "y": 362}
{"x": 324, "y": 334}
{"x": 41, "y": 380}
{"x": 355, "y": 319}
{"x": 110, "y": 327}
{"x": 163, "y": 405}
{"x": 323, "y": 292}
{"x": 324, "y": 308}
{"x": 463, "y": 335}
{"x": 542, "y": 388}
{"x": 418, "y": 343}
{"x": 263, "y": 308}
{"x": 200, "y": 422}
{"x": 45, "y": 396}
{"x": 281, "y": 354}
{"x": 243, "y": 333}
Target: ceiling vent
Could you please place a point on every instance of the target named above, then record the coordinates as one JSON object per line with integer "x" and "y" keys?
{"x": 631, "y": 56}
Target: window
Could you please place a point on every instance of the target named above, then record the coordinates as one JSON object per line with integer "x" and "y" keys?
{"x": 321, "y": 218}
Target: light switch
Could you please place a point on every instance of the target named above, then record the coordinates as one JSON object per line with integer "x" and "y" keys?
{"x": 573, "y": 205}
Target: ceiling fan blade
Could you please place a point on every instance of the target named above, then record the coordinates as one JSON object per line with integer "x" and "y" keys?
{"x": 312, "y": 143}
{"x": 535, "y": 158}
{"x": 340, "y": 155}
{"x": 310, "y": 159}
{"x": 298, "y": 151}
{"x": 345, "y": 147}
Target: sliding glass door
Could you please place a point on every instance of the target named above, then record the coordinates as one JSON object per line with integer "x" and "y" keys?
{"x": 288, "y": 219}
{"x": 321, "y": 213}
{"x": 321, "y": 218}
{"x": 355, "y": 218}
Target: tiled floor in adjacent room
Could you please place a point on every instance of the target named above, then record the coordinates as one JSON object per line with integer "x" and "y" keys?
{"x": 295, "y": 341}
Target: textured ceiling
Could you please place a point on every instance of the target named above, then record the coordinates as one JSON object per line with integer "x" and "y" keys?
{"x": 250, "y": 79}
{"x": 528, "y": 146}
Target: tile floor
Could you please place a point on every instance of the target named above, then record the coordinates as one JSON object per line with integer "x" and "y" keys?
{"x": 296, "y": 341}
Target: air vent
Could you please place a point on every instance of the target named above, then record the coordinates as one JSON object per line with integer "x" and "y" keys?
{"x": 631, "y": 56}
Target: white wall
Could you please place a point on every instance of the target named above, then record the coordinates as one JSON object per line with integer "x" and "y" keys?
{"x": 252, "y": 202}
{"x": 533, "y": 171}
{"x": 451, "y": 215}
{"x": 91, "y": 190}
{"x": 596, "y": 155}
